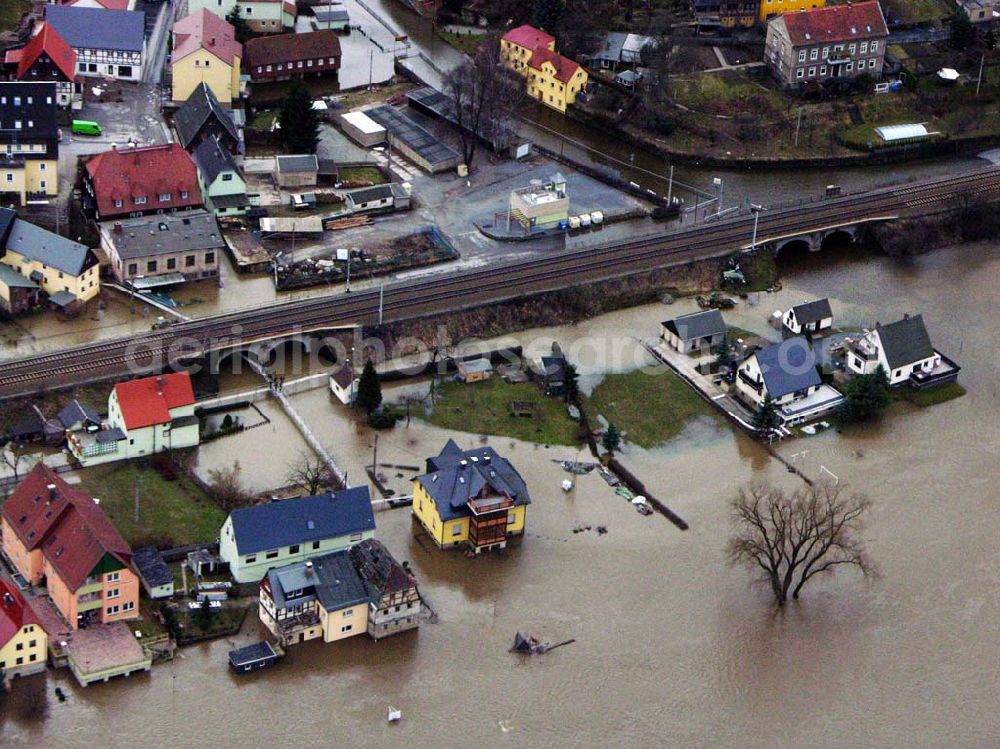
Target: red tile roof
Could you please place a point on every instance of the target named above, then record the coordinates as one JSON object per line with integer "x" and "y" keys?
{"x": 14, "y": 612}
{"x": 47, "y": 41}
{"x": 528, "y": 37}
{"x": 149, "y": 172}
{"x": 205, "y": 30}
{"x": 73, "y": 531}
{"x": 565, "y": 68}
{"x": 835, "y": 23}
{"x": 148, "y": 401}
{"x": 283, "y": 48}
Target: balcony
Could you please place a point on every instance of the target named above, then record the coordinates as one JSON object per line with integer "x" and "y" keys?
{"x": 291, "y": 624}
{"x": 750, "y": 382}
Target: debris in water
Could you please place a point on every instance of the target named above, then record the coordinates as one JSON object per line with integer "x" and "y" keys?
{"x": 533, "y": 646}
{"x": 394, "y": 714}
{"x": 601, "y": 530}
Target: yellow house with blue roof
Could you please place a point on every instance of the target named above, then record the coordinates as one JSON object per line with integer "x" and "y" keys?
{"x": 471, "y": 497}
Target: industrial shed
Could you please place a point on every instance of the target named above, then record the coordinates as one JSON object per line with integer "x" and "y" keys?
{"x": 413, "y": 141}
{"x": 362, "y": 129}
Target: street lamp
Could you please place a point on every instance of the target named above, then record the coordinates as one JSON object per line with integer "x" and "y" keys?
{"x": 755, "y": 209}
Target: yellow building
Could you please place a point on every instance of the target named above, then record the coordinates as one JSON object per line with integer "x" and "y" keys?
{"x": 29, "y": 141}
{"x": 771, "y": 8}
{"x": 470, "y": 497}
{"x": 551, "y": 78}
{"x": 23, "y": 642}
{"x": 205, "y": 50}
{"x": 66, "y": 271}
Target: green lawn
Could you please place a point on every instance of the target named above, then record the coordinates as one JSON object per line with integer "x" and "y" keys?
{"x": 265, "y": 119}
{"x": 916, "y": 11}
{"x": 170, "y": 512}
{"x": 649, "y": 407}
{"x": 11, "y": 12}
{"x": 466, "y": 43}
{"x": 482, "y": 408}
{"x": 931, "y": 396}
{"x": 360, "y": 173}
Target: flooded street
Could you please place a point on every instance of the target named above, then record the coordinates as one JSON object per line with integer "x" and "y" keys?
{"x": 674, "y": 648}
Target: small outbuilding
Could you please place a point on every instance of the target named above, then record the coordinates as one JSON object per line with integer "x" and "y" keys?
{"x": 154, "y": 574}
{"x": 474, "y": 370}
{"x": 698, "y": 332}
{"x": 378, "y": 198}
{"x": 362, "y": 129}
{"x": 809, "y": 318}
{"x": 298, "y": 170}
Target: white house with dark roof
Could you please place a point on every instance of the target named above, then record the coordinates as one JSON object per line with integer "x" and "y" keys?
{"x": 107, "y": 42}
{"x": 809, "y": 318}
{"x": 255, "y": 539}
{"x": 344, "y": 383}
{"x": 903, "y": 349}
{"x": 787, "y": 372}
{"x": 223, "y": 186}
{"x": 698, "y": 332}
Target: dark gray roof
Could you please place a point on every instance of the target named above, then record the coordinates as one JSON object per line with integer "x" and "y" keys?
{"x": 11, "y": 278}
{"x": 410, "y": 133}
{"x": 366, "y": 194}
{"x": 379, "y": 570}
{"x": 63, "y": 298}
{"x": 7, "y": 218}
{"x": 327, "y": 13}
{"x": 191, "y": 115}
{"x": 212, "y": 160}
{"x": 114, "y": 434}
{"x": 296, "y": 163}
{"x": 76, "y": 412}
{"x": 239, "y": 200}
{"x": 40, "y": 111}
{"x": 455, "y": 476}
{"x": 788, "y": 367}
{"x": 611, "y": 50}
{"x": 164, "y": 234}
{"x": 49, "y": 249}
{"x": 697, "y": 325}
{"x": 331, "y": 579}
{"x": 812, "y": 312}
{"x": 293, "y": 521}
{"x": 98, "y": 28}
{"x": 905, "y": 341}
{"x": 151, "y": 566}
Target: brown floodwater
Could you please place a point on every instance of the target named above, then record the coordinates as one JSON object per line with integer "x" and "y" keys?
{"x": 674, "y": 648}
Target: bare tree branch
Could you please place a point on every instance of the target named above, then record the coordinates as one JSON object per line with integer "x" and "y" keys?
{"x": 793, "y": 538}
{"x": 310, "y": 472}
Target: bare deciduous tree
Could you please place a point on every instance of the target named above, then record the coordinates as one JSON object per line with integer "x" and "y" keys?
{"x": 226, "y": 485}
{"x": 13, "y": 456}
{"x": 310, "y": 472}
{"x": 788, "y": 539}
{"x": 484, "y": 96}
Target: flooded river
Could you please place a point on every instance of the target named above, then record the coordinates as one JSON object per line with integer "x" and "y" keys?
{"x": 673, "y": 647}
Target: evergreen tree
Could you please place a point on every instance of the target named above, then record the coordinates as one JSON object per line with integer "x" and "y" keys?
{"x": 611, "y": 439}
{"x": 963, "y": 34}
{"x": 205, "y": 614}
{"x": 239, "y": 24}
{"x": 724, "y": 354}
{"x": 299, "y": 121}
{"x": 866, "y": 395}
{"x": 548, "y": 14}
{"x": 766, "y": 417}
{"x": 369, "y": 389}
{"x": 571, "y": 383}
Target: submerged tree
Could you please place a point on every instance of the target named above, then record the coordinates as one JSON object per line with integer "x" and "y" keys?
{"x": 484, "y": 95}
{"x": 866, "y": 395}
{"x": 571, "y": 383}
{"x": 766, "y": 417}
{"x": 299, "y": 121}
{"x": 611, "y": 439}
{"x": 310, "y": 472}
{"x": 369, "y": 389}
{"x": 788, "y": 539}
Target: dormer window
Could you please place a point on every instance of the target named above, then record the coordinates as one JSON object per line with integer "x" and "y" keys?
{"x": 118, "y": 204}
{"x": 184, "y": 194}
{"x": 165, "y": 197}
{"x": 141, "y": 200}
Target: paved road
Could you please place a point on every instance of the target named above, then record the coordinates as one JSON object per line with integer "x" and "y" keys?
{"x": 156, "y": 45}
{"x": 187, "y": 342}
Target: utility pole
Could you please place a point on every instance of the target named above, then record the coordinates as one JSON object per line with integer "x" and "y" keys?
{"x": 349, "y": 271}
{"x": 375, "y": 453}
{"x": 136, "y": 488}
{"x": 381, "y": 298}
{"x": 370, "y": 70}
{"x": 798, "y": 124}
{"x": 670, "y": 186}
{"x": 756, "y": 215}
{"x": 979, "y": 80}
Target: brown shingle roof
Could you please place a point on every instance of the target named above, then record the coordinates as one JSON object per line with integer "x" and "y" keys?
{"x": 283, "y": 48}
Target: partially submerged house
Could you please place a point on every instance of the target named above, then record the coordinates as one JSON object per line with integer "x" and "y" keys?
{"x": 698, "y": 332}
{"x": 201, "y": 117}
{"x": 255, "y": 539}
{"x": 809, "y": 318}
{"x": 787, "y": 373}
{"x": 472, "y": 498}
{"x": 903, "y": 349}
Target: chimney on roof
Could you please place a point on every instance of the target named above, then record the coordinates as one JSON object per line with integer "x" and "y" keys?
{"x": 463, "y": 463}
{"x": 53, "y": 494}
{"x": 906, "y": 315}
{"x": 212, "y": 41}
{"x": 8, "y": 599}
{"x": 114, "y": 146}
{"x": 118, "y": 227}
{"x": 309, "y": 568}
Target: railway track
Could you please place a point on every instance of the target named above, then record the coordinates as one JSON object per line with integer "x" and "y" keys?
{"x": 471, "y": 288}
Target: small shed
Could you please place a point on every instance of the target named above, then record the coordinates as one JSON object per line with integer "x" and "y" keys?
{"x": 474, "y": 370}
{"x": 253, "y": 657}
{"x": 362, "y": 129}
{"x": 389, "y": 197}
{"x": 154, "y": 574}
{"x": 331, "y": 18}
{"x": 296, "y": 170}
{"x": 809, "y": 318}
